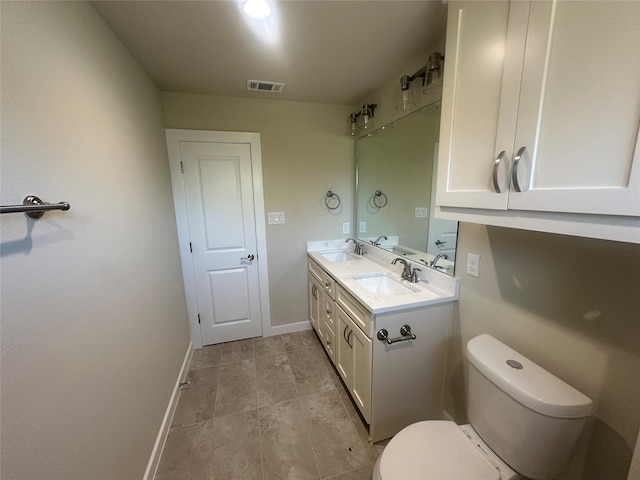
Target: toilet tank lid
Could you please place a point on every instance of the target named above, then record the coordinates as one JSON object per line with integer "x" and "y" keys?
{"x": 525, "y": 381}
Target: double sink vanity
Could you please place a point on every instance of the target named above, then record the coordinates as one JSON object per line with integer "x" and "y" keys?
{"x": 387, "y": 336}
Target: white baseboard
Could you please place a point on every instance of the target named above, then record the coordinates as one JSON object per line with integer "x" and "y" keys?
{"x": 289, "y": 328}
{"x": 154, "y": 460}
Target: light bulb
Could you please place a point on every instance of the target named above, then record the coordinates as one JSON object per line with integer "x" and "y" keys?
{"x": 257, "y": 8}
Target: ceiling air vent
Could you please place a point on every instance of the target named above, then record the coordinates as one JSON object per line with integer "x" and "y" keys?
{"x": 265, "y": 86}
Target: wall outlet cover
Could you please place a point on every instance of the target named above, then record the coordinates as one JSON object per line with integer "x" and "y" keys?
{"x": 345, "y": 227}
{"x": 363, "y": 227}
{"x": 276, "y": 218}
{"x": 473, "y": 265}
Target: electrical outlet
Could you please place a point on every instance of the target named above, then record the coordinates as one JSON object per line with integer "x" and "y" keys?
{"x": 363, "y": 227}
{"x": 473, "y": 265}
{"x": 276, "y": 218}
{"x": 345, "y": 227}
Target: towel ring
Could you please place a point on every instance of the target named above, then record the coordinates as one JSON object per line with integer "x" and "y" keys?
{"x": 379, "y": 199}
{"x": 332, "y": 200}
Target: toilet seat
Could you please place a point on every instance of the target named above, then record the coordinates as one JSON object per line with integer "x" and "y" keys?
{"x": 434, "y": 450}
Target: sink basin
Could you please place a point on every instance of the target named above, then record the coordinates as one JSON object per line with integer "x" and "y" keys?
{"x": 339, "y": 257}
{"x": 382, "y": 285}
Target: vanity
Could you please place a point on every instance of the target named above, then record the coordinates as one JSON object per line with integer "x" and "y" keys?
{"x": 386, "y": 336}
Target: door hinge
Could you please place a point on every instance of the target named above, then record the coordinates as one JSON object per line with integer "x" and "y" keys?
{"x": 190, "y": 247}
{"x": 198, "y": 318}
{"x": 181, "y": 167}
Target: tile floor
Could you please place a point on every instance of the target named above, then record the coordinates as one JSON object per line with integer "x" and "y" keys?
{"x": 266, "y": 408}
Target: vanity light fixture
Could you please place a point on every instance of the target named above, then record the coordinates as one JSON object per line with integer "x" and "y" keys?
{"x": 431, "y": 75}
{"x": 435, "y": 69}
{"x": 404, "y": 98}
{"x": 352, "y": 125}
{"x": 365, "y": 121}
{"x": 257, "y": 8}
{"x": 361, "y": 121}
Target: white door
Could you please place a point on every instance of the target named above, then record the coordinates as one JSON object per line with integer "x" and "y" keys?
{"x": 216, "y": 197}
{"x": 484, "y": 54}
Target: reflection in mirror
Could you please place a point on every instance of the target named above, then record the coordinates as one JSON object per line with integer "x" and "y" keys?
{"x": 395, "y": 175}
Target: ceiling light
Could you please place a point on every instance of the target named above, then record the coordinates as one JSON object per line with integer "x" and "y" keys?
{"x": 257, "y": 8}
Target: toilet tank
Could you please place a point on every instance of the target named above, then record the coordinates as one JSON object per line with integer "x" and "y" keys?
{"x": 530, "y": 418}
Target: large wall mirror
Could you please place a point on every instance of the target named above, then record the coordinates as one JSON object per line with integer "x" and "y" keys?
{"x": 395, "y": 190}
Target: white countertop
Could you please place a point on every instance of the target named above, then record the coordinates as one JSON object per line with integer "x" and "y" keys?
{"x": 434, "y": 287}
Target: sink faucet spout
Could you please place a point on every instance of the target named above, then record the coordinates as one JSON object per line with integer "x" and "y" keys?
{"x": 408, "y": 273}
{"x": 357, "y": 249}
{"x": 376, "y": 242}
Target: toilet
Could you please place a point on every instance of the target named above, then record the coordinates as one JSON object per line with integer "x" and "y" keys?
{"x": 523, "y": 422}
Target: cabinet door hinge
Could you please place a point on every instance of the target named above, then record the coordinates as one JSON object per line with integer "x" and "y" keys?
{"x": 190, "y": 247}
{"x": 181, "y": 167}
{"x": 198, "y": 318}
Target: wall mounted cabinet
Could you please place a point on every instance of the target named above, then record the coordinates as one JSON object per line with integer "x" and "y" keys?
{"x": 541, "y": 113}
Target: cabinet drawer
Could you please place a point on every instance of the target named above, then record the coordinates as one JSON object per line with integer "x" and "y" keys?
{"x": 316, "y": 270}
{"x": 329, "y": 343}
{"x": 360, "y": 316}
{"x": 329, "y": 313}
{"x": 326, "y": 281}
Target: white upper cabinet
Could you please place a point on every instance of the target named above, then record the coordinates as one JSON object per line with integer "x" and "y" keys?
{"x": 541, "y": 108}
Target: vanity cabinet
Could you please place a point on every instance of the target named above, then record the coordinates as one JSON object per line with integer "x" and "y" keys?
{"x": 353, "y": 362}
{"x": 322, "y": 306}
{"x": 541, "y": 114}
{"x": 392, "y": 385}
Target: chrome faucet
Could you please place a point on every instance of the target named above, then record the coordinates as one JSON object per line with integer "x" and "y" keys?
{"x": 407, "y": 273}
{"x": 438, "y": 257}
{"x": 357, "y": 249}
{"x": 377, "y": 240}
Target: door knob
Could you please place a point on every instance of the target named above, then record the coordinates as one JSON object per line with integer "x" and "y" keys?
{"x": 248, "y": 257}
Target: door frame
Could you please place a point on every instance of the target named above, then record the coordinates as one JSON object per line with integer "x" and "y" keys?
{"x": 174, "y": 137}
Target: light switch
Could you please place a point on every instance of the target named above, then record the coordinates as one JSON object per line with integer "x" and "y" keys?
{"x": 421, "y": 212}
{"x": 276, "y": 218}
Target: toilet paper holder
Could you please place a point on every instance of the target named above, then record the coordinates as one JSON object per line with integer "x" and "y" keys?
{"x": 405, "y": 332}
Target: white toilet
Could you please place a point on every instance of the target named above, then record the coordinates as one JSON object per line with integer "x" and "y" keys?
{"x": 524, "y": 421}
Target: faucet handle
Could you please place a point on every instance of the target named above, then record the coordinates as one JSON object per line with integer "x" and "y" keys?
{"x": 414, "y": 275}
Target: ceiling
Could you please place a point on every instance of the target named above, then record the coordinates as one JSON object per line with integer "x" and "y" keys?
{"x": 326, "y": 51}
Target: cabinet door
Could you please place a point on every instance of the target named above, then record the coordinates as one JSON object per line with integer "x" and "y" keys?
{"x": 315, "y": 299}
{"x": 579, "y": 110}
{"x": 361, "y": 383}
{"x": 483, "y": 65}
{"x": 344, "y": 352}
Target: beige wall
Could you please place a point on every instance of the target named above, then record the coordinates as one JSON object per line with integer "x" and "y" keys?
{"x": 571, "y": 305}
{"x": 93, "y": 314}
{"x": 305, "y": 152}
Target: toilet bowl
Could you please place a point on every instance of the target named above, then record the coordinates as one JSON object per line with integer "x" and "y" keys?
{"x": 525, "y": 422}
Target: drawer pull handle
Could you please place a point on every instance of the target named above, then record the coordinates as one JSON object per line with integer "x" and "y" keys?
{"x": 405, "y": 332}
{"x": 514, "y": 172}
{"x": 496, "y": 167}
